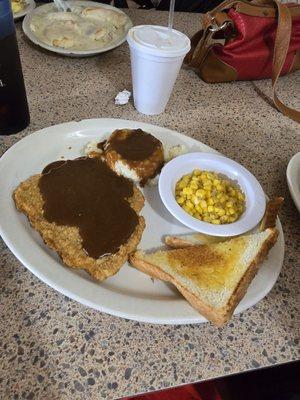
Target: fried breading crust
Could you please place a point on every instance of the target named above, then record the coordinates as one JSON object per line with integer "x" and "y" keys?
{"x": 66, "y": 241}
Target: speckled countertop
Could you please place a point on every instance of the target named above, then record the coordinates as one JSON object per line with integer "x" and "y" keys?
{"x": 54, "y": 348}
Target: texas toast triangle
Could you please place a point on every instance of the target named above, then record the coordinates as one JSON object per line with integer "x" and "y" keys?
{"x": 214, "y": 277}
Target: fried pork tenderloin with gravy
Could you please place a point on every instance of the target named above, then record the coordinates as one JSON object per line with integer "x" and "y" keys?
{"x": 66, "y": 240}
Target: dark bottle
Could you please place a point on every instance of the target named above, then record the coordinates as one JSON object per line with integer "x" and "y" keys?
{"x": 14, "y": 114}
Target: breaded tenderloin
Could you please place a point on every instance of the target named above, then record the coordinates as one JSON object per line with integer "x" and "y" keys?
{"x": 66, "y": 241}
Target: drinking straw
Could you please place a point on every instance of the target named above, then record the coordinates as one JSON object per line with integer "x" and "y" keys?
{"x": 61, "y": 5}
{"x": 171, "y": 14}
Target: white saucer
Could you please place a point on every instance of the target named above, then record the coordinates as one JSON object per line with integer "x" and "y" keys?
{"x": 293, "y": 179}
{"x": 30, "y": 5}
{"x": 182, "y": 165}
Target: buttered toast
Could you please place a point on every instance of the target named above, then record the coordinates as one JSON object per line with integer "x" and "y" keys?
{"x": 272, "y": 210}
{"x": 214, "y": 277}
{"x": 194, "y": 239}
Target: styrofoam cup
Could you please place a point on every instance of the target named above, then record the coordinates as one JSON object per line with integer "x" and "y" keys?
{"x": 156, "y": 58}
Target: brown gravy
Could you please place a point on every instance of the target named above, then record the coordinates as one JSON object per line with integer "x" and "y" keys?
{"x": 102, "y": 145}
{"x": 53, "y": 165}
{"x": 137, "y": 146}
{"x": 87, "y": 194}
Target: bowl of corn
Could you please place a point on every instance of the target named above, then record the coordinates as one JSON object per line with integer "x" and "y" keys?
{"x": 212, "y": 194}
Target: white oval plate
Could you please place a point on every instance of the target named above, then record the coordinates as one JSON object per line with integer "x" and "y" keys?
{"x": 74, "y": 53}
{"x": 293, "y": 179}
{"x": 182, "y": 165}
{"x": 130, "y": 293}
{"x": 30, "y": 5}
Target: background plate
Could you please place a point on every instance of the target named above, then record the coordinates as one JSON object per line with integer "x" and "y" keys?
{"x": 293, "y": 179}
{"x": 74, "y": 53}
{"x": 27, "y": 9}
{"x": 130, "y": 293}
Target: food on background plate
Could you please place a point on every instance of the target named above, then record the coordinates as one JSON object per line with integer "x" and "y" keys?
{"x": 105, "y": 16}
{"x": 18, "y": 5}
{"x": 191, "y": 239}
{"x": 85, "y": 212}
{"x": 210, "y": 197}
{"x": 83, "y": 28}
{"x": 132, "y": 153}
{"x": 213, "y": 278}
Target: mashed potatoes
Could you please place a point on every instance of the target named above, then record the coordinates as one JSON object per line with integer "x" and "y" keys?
{"x": 84, "y": 28}
{"x": 92, "y": 150}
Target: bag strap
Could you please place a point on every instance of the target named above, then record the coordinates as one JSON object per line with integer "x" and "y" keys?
{"x": 202, "y": 41}
{"x": 282, "y": 42}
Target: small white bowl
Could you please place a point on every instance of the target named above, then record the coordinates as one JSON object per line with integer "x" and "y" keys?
{"x": 179, "y": 166}
{"x": 293, "y": 178}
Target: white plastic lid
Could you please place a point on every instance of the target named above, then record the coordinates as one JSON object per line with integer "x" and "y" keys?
{"x": 159, "y": 40}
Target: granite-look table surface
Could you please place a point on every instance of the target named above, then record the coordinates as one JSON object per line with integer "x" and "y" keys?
{"x": 54, "y": 348}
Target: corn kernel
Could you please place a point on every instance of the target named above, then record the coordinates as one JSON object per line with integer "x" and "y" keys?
{"x": 221, "y": 212}
{"x": 201, "y": 193}
{"x": 224, "y": 219}
{"x": 184, "y": 190}
{"x": 180, "y": 200}
{"x": 187, "y": 190}
{"x": 241, "y": 196}
{"x": 223, "y": 199}
{"x": 203, "y": 204}
{"x": 207, "y": 182}
{"x": 189, "y": 204}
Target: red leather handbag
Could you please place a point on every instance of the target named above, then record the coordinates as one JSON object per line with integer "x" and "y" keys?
{"x": 247, "y": 40}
